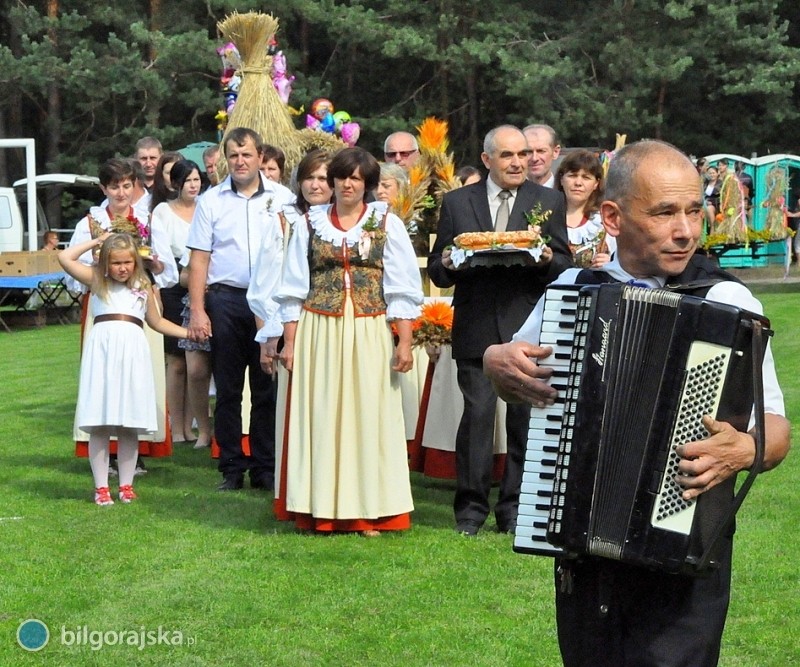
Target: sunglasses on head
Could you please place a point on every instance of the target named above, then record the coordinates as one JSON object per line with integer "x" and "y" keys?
{"x": 401, "y": 154}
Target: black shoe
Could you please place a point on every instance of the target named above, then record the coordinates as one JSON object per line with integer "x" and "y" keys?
{"x": 468, "y": 528}
{"x": 264, "y": 482}
{"x": 507, "y": 526}
{"x": 231, "y": 483}
{"x": 140, "y": 467}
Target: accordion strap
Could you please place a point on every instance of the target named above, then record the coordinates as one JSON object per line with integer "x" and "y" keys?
{"x": 759, "y": 438}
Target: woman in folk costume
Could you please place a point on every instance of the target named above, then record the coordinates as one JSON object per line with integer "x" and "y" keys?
{"x": 580, "y": 178}
{"x": 312, "y": 190}
{"x": 349, "y": 269}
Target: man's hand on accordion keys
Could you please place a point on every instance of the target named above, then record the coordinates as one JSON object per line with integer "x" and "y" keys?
{"x": 706, "y": 463}
{"x": 516, "y": 376}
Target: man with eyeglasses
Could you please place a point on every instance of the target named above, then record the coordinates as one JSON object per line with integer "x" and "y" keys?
{"x": 490, "y": 303}
{"x": 402, "y": 149}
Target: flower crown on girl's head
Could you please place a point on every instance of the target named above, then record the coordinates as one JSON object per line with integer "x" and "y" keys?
{"x": 130, "y": 224}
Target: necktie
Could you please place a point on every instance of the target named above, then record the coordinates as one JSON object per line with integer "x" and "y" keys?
{"x": 501, "y": 221}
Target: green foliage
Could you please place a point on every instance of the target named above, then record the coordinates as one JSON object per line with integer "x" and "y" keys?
{"x": 710, "y": 76}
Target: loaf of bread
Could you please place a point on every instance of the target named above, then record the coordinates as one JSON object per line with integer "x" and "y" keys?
{"x": 530, "y": 238}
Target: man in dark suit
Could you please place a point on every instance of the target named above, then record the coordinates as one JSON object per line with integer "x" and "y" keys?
{"x": 490, "y": 304}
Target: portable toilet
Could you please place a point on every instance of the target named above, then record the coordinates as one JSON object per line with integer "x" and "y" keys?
{"x": 738, "y": 255}
{"x": 778, "y": 187}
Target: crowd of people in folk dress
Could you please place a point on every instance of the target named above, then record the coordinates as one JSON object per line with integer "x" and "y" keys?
{"x": 247, "y": 272}
{"x": 305, "y": 298}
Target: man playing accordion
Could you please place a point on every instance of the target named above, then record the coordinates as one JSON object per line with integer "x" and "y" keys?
{"x": 614, "y": 613}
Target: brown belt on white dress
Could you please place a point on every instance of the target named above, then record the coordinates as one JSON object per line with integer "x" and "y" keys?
{"x": 111, "y": 317}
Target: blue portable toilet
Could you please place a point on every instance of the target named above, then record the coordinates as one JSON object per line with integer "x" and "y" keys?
{"x": 743, "y": 255}
{"x": 777, "y": 183}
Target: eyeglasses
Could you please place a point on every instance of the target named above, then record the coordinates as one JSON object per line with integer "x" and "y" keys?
{"x": 401, "y": 154}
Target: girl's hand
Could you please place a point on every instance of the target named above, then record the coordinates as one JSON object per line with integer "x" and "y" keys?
{"x": 600, "y": 259}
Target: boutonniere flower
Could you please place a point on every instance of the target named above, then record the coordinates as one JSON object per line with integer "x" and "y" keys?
{"x": 536, "y": 217}
{"x": 371, "y": 229}
{"x": 139, "y": 293}
{"x": 268, "y": 207}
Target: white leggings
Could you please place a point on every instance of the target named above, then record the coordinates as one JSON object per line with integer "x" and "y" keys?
{"x": 99, "y": 451}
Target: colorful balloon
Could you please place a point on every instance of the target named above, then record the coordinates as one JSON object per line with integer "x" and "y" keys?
{"x": 341, "y": 117}
{"x": 321, "y": 108}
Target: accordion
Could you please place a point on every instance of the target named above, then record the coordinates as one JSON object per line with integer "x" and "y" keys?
{"x": 636, "y": 369}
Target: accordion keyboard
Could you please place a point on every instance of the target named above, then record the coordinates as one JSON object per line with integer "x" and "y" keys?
{"x": 545, "y": 425}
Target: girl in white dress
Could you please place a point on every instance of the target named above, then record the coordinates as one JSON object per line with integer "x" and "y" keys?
{"x": 116, "y": 395}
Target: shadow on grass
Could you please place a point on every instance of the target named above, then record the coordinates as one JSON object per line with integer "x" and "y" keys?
{"x": 184, "y": 486}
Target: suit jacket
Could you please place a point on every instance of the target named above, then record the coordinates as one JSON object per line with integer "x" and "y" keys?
{"x": 491, "y": 303}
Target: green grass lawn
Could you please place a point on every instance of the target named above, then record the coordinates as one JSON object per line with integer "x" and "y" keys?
{"x": 218, "y": 573}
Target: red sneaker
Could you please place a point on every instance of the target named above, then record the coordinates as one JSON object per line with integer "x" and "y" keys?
{"x": 126, "y": 493}
{"x": 102, "y": 496}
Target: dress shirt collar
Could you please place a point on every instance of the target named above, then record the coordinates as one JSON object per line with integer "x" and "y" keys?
{"x": 263, "y": 182}
{"x": 492, "y": 190}
{"x": 550, "y": 182}
{"x": 616, "y": 271}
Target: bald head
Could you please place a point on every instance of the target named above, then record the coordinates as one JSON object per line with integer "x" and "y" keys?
{"x": 402, "y": 149}
{"x": 621, "y": 183}
{"x": 654, "y": 207}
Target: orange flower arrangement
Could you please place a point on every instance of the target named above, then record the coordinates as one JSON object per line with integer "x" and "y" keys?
{"x": 433, "y": 145}
{"x": 434, "y": 325}
{"x": 433, "y": 135}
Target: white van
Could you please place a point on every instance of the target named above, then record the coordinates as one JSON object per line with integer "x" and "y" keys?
{"x": 13, "y": 208}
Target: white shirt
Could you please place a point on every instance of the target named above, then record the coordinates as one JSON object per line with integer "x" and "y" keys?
{"x": 174, "y": 226}
{"x": 727, "y": 292}
{"x": 231, "y": 226}
{"x": 493, "y": 191}
{"x": 402, "y": 286}
{"x": 267, "y": 272}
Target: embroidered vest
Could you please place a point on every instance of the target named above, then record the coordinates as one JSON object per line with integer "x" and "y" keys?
{"x": 329, "y": 264}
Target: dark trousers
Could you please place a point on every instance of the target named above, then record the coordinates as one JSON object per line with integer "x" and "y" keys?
{"x": 475, "y": 444}
{"x": 619, "y": 615}
{"x": 234, "y": 350}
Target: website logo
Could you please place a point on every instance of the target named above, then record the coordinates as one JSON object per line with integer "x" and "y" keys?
{"x": 33, "y": 635}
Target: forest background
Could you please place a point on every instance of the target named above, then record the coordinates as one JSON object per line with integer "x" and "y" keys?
{"x": 87, "y": 79}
